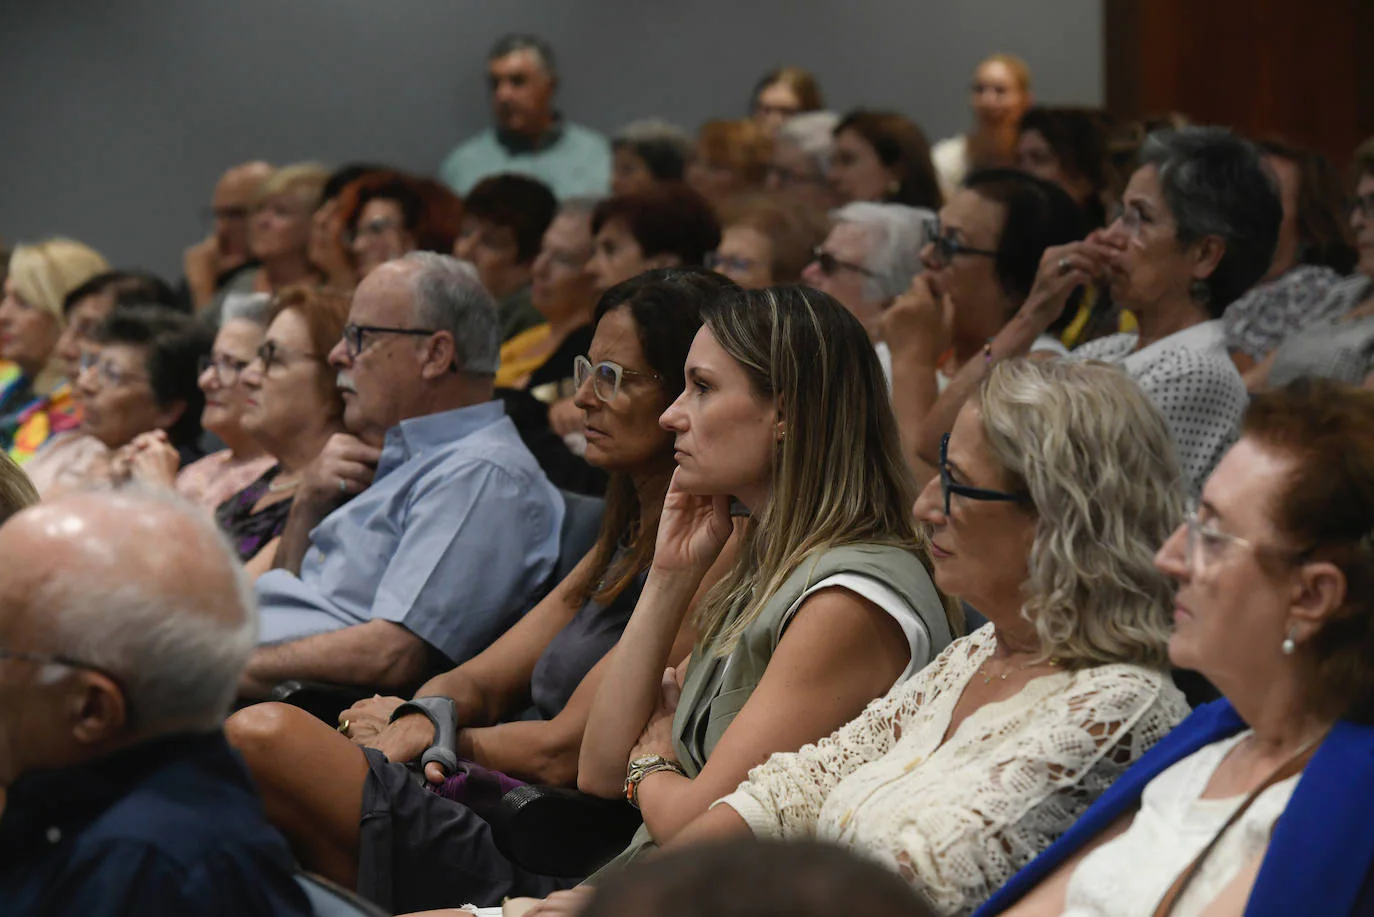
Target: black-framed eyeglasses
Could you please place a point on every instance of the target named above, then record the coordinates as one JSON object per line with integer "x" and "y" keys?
{"x": 66, "y": 661}
{"x": 1363, "y": 205}
{"x": 271, "y": 354}
{"x": 227, "y": 369}
{"x": 374, "y": 227}
{"x": 606, "y": 377}
{"x": 355, "y": 335}
{"x": 830, "y": 265}
{"x": 946, "y": 246}
{"x": 787, "y": 178}
{"x": 947, "y": 485}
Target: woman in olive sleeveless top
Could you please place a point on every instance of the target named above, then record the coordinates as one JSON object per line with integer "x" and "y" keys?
{"x": 831, "y": 602}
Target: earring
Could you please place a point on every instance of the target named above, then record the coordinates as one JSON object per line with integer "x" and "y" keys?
{"x": 1201, "y": 292}
{"x": 894, "y": 186}
{"x": 1288, "y": 646}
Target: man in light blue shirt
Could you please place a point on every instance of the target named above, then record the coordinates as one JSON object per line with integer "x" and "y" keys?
{"x": 449, "y": 532}
{"x": 530, "y": 137}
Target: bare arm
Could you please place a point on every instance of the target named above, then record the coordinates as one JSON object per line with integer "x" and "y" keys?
{"x": 917, "y": 328}
{"x": 715, "y": 826}
{"x": 378, "y": 653}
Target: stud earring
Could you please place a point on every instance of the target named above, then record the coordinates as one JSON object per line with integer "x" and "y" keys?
{"x": 1288, "y": 646}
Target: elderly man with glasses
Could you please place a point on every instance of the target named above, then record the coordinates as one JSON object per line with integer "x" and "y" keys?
{"x": 423, "y": 532}
{"x": 124, "y": 623}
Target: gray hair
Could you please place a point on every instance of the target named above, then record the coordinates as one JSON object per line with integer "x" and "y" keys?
{"x": 178, "y": 652}
{"x": 664, "y": 147}
{"x": 896, "y": 233}
{"x": 517, "y": 41}
{"x": 1096, "y": 458}
{"x": 813, "y": 132}
{"x": 448, "y": 296}
{"x": 1216, "y": 184}
{"x": 247, "y": 307}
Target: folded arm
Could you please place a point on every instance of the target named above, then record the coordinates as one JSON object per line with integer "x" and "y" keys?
{"x": 376, "y": 654}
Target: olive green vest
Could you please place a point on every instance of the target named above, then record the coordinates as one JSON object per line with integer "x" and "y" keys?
{"x": 717, "y": 689}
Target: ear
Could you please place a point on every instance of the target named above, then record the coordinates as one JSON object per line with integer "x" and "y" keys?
{"x": 1208, "y": 251}
{"x": 99, "y": 710}
{"x": 169, "y": 415}
{"x": 439, "y": 357}
{"x": 662, "y": 259}
{"x": 780, "y": 422}
{"x": 1319, "y": 592}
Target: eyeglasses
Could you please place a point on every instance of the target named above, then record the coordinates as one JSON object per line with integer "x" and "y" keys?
{"x": 1363, "y": 205}
{"x": 1206, "y": 541}
{"x": 786, "y": 178}
{"x": 946, "y": 246}
{"x": 947, "y": 485}
{"x": 46, "y": 659}
{"x": 726, "y": 263}
{"x": 830, "y": 265}
{"x": 107, "y": 372}
{"x": 272, "y": 354}
{"x": 370, "y": 229}
{"x": 227, "y": 369}
{"x": 354, "y": 335}
{"x": 605, "y": 376}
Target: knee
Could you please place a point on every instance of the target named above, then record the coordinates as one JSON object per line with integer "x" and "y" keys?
{"x": 263, "y": 732}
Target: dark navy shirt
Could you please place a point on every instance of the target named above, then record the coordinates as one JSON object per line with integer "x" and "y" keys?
{"x": 172, "y": 826}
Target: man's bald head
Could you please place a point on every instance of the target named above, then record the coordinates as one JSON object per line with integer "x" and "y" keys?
{"x": 234, "y": 194}
{"x": 136, "y": 586}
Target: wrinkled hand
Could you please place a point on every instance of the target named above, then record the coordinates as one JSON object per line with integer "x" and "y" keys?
{"x": 921, "y": 319}
{"x": 566, "y": 417}
{"x": 657, "y": 737}
{"x": 149, "y": 459}
{"x": 1063, "y": 269}
{"x": 370, "y": 717}
{"x": 343, "y": 469}
{"x": 568, "y": 903}
{"x": 200, "y": 264}
{"x": 692, "y": 530}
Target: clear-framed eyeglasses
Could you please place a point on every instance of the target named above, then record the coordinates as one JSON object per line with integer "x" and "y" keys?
{"x": 606, "y": 377}
{"x": 1206, "y": 543}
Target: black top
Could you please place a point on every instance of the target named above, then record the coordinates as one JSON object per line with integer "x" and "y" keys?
{"x": 171, "y": 826}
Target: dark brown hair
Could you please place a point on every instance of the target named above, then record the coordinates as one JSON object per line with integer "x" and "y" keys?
{"x": 430, "y": 212}
{"x": 519, "y": 203}
{"x": 792, "y": 229}
{"x": 741, "y": 146}
{"x": 325, "y": 313}
{"x": 900, "y": 145}
{"x": 670, "y": 218}
{"x": 1323, "y": 232}
{"x": 1327, "y": 511}
{"x": 802, "y": 83}
{"x": 1363, "y": 162}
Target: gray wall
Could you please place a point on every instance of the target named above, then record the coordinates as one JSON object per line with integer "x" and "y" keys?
{"x": 118, "y": 116}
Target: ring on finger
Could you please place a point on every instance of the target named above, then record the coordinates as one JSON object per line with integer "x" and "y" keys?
{"x": 345, "y": 728}
{"x": 343, "y": 486}
{"x": 1065, "y": 266}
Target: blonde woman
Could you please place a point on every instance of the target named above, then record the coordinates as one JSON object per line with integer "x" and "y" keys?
{"x": 33, "y": 389}
{"x": 962, "y": 775}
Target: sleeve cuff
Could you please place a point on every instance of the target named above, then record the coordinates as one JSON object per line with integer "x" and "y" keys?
{"x": 760, "y": 821}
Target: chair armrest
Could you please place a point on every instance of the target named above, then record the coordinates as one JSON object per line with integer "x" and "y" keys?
{"x": 325, "y": 701}
{"x": 560, "y": 832}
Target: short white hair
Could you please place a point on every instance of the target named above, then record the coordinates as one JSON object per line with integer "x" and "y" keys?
{"x": 448, "y": 296}
{"x": 177, "y": 652}
{"x": 813, "y": 132}
{"x": 247, "y": 307}
{"x": 896, "y": 234}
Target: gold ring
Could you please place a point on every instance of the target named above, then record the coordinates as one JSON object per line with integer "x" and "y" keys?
{"x": 343, "y": 727}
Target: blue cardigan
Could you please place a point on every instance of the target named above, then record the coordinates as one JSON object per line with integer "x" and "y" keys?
{"x": 1322, "y": 848}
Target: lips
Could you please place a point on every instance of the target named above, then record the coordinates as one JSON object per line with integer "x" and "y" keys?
{"x": 594, "y": 433}
{"x": 938, "y": 552}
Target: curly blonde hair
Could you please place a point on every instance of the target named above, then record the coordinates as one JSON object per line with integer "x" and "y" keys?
{"x": 1096, "y": 458}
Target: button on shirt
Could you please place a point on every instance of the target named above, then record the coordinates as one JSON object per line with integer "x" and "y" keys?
{"x": 171, "y": 826}
{"x": 1191, "y": 379}
{"x": 454, "y": 540}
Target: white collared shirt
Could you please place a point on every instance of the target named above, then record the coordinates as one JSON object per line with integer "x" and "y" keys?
{"x": 1190, "y": 377}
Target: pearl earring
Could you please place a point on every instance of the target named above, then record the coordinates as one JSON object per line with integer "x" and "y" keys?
{"x": 1288, "y": 646}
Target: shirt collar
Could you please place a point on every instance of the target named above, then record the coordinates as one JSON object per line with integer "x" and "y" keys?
{"x": 522, "y": 143}
{"x": 1204, "y": 336}
{"x": 418, "y": 433}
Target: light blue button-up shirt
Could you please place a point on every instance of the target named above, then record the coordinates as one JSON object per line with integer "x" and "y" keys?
{"x": 577, "y": 164}
{"x": 455, "y": 540}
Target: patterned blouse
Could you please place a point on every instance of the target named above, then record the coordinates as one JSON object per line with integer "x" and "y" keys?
{"x": 250, "y": 531}
{"x": 210, "y": 481}
{"x": 1262, "y": 319}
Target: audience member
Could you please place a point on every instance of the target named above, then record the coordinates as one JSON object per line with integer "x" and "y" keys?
{"x": 1000, "y": 95}
{"x": 869, "y": 258}
{"x": 530, "y": 136}
{"x": 729, "y": 157}
{"x": 802, "y": 149}
{"x": 671, "y": 226}
{"x": 1313, "y": 256}
{"x": 830, "y": 603}
{"x": 210, "y": 481}
{"x": 429, "y": 497}
{"x": 766, "y": 240}
{"x": 329, "y": 251}
{"x": 981, "y": 260}
{"x": 31, "y": 322}
{"x": 314, "y": 778}
{"x": 1199, "y": 226}
{"x": 504, "y": 219}
{"x": 125, "y": 622}
{"x": 385, "y": 215}
{"x": 781, "y": 94}
{"x": 647, "y": 153}
{"x": 16, "y": 490}
{"x": 883, "y": 157}
{"x": 214, "y": 261}
{"x": 962, "y": 775}
{"x": 1258, "y": 802}
{"x": 140, "y": 376}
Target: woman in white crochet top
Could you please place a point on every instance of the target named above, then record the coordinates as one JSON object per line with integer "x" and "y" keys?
{"x": 1055, "y": 487}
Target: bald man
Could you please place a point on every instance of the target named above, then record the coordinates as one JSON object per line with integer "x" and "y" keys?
{"x": 212, "y": 262}
{"x": 124, "y": 623}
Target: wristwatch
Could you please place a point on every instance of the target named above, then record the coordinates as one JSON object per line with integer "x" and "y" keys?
{"x": 642, "y": 767}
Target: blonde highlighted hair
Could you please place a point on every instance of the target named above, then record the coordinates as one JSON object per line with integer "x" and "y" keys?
{"x": 306, "y": 178}
{"x": 838, "y": 473}
{"x": 16, "y": 490}
{"x": 45, "y": 272}
{"x": 1096, "y": 458}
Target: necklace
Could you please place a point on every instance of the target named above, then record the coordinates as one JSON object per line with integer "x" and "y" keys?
{"x": 987, "y": 679}
{"x": 277, "y": 487}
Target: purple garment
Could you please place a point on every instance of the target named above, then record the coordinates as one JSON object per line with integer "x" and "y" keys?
{"x": 476, "y": 787}
{"x": 248, "y": 530}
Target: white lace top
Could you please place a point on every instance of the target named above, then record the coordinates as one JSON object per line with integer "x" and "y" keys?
{"x": 1129, "y": 875}
{"x": 957, "y": 819}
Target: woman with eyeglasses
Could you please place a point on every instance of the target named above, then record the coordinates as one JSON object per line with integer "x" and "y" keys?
{"x": 139, "y": 376}
{"x": 358, "y": 807}
{"x": 210, "y": 481}
{"x": 1258, "y": 804}
{"x": 766, "y": 240}
{"x": 385, "y": 215}
{"x": 1198, "y": 228}
{"x": 961, "y": 775}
